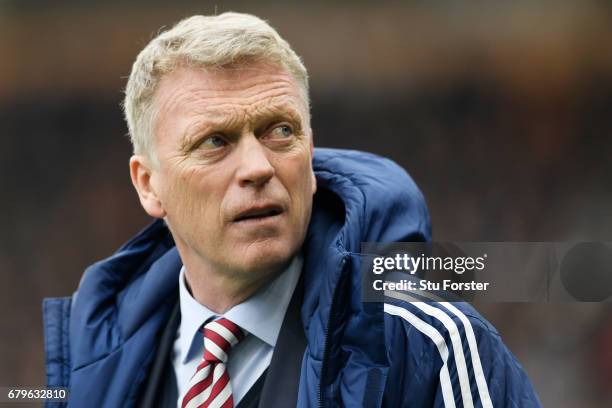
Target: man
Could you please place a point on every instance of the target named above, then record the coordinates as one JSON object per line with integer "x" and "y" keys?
{"x": 246, "y": 291}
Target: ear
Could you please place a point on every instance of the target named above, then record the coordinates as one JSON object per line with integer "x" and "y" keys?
{"x": 141, "y": 173}
{"x": 314, "y": 179}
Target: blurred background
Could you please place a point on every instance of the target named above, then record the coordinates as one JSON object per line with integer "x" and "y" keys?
{"x": 501, "y": 112}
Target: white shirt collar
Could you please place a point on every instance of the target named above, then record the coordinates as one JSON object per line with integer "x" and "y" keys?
{"x": 260, "y": 315}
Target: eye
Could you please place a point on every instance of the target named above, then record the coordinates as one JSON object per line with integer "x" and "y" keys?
{"x": 212, "y": 142}
{"x": 281, "y": 132}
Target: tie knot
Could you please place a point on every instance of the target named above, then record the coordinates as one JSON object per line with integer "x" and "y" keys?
{"x": 219, "y": 337}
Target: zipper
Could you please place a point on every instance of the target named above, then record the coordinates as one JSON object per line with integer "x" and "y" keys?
{"x": 326, "y": 345}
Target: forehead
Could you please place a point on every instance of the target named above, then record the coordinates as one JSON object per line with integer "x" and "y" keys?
{"x": 220, "y": 94}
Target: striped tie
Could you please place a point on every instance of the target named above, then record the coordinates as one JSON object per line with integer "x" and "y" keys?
{"x": 210, "y": 385}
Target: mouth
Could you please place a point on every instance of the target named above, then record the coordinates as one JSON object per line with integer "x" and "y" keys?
{"x": 259, "y": 213}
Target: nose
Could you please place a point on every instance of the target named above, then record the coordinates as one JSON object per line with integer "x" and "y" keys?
{"x": 254, "y": 168}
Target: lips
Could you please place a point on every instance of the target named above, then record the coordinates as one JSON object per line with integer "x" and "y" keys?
{"x": 259, "y": 212}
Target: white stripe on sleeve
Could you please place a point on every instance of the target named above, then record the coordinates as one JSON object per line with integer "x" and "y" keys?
{"x": 436, "y": 337}
{"x": 455, "y": 336}
{"x": 481, "y": 381}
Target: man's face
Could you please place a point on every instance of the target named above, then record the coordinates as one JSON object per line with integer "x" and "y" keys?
{"x": 235, "y": 180}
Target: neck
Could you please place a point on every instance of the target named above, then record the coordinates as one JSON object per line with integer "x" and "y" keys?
{"x": 218, "y": 291}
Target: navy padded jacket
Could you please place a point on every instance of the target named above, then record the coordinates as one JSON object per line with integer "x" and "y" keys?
{"x": 101, "y": 341}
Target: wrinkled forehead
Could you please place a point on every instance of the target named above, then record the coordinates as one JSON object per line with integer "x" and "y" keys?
{"x": 219, "y": 93}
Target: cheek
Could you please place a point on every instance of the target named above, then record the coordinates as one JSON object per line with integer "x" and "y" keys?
{"x": 299, "y": 182}
{"x": 307, "y": 177}
{"x": 177, "y": 194}
{"x": 189, "y": 196}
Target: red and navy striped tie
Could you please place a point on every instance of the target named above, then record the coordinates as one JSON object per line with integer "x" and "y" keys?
{"x": 210, "y": 385}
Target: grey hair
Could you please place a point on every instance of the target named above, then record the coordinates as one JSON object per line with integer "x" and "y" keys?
{"x": 218, "y": 41}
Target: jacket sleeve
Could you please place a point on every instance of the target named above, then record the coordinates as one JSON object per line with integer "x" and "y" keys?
{"x": 446, "y": 355}
{"x": 56, "y": 318}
